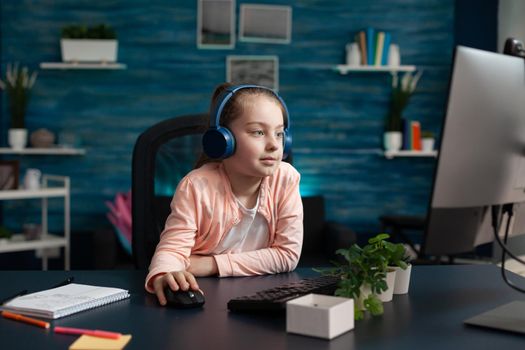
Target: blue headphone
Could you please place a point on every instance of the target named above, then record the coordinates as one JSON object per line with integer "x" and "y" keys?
{"x": 218, "y": 141}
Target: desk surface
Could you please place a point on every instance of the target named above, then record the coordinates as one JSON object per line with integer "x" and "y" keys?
{"x": 430, "y": 316}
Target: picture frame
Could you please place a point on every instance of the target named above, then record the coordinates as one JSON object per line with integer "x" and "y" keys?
{"x": 265, "y": 23}
{"x": 9, "y": 173}
{"x": 258, "y": 70}
{"x": 215, "y": 24}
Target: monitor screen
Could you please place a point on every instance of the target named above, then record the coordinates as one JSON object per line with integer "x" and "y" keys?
{"x": 481, "y": 159}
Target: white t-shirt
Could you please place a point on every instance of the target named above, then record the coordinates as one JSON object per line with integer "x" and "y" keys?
{"x": 251, "y": 233}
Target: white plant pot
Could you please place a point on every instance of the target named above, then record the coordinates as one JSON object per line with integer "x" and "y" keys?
{"x": 393, "y": 140}
{"x": 402, "y": 279}
{"x": 387, "y": 295}
{"x": 428, "y": 144}
{"x": 17, "y": 138}
{"x": 89, "y": 50}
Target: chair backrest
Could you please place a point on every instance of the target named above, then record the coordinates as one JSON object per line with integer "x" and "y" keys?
{"x": 180, "y": 136}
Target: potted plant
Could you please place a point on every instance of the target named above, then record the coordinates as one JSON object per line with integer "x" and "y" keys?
{"x": 428, "y": 141}
{"x": 399, "y": 260}
{"x": 88, "y": 44}
{"x": 364, "y": 275}
{"x": 401, "y": 92}
{"x": 18, "y": 83}
{"x": 5, "y": 235}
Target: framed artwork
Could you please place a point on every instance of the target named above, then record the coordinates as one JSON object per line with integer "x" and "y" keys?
{"x": 9, "y": 172}
{"x": 265, "y": 23}
{"x": 216, "y": 24}
{"x": 258, "y": 70}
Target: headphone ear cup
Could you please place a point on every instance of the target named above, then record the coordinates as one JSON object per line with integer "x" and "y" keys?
{"x": 218, "y": 143}
{"x": 287, "y": 146}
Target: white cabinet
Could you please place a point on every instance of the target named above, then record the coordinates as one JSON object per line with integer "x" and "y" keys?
{"x": 52, "y": 187}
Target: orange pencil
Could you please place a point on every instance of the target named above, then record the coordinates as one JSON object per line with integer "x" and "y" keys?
{"x": 25, "y": 319}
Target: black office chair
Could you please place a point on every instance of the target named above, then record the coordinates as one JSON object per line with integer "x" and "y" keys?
{"x": 166, "y": 152}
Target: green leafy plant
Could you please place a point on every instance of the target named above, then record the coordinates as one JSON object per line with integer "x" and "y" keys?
{"x": 76, "y": 31}
{"x": 401, "y": 92}
{"x": 5, "y": 233}
{"x": 366, "y": 268}
{"x": 18, "y": 83}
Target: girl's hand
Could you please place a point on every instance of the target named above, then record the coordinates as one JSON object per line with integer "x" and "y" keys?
{"x": 202, "y": 266}
{"x": 175, "y": 280}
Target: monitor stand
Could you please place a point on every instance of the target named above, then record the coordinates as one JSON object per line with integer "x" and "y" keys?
{"x": 509, "y": 317}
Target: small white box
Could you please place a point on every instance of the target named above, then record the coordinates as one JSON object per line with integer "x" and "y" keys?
{"x": 320, "y": 316}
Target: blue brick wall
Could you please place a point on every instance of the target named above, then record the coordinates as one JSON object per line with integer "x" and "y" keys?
{"x": 337, "y": 120}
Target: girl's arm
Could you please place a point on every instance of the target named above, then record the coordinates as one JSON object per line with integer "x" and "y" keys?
{"x": 178, "y": 238}
{"x": 283, "y": 255}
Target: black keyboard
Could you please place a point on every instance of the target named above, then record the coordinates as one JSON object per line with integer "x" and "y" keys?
{"x": 274, "y": 299}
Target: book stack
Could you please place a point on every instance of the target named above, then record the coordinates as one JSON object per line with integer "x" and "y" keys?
{"x": 374, "y": 46}
{"x": 412, "y": 135}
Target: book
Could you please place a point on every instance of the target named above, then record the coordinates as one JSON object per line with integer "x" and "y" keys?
{"x": 370, "y": 45}
{"x": 386, "y": 48}
{"x": 361, "y": 40}
{"x": 415, "y": 127}
{"x": 65, "y": 300}
{"x": 380, "y": 40}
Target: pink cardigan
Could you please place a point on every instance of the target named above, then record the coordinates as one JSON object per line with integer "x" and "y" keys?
{"x": 204, "y": 209}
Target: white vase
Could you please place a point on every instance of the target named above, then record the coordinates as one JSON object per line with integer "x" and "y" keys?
{"x": 17, "y": 138}
{"x": 402, "y": 279}
{"x": 394, "y": 57}
{"x": 428, "y": 144}
{"x": 353, "y": 56}
{"x": 393, "y": 140}
{"x": 89, "y": 50}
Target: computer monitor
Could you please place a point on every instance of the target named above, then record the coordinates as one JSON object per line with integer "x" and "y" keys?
{"x": 481, "y": 159}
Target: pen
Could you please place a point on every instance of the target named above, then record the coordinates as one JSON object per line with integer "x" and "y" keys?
{"x": 92, "y": 332}
{"x": 5, "y": 300}
{"x": 25, "y": 319}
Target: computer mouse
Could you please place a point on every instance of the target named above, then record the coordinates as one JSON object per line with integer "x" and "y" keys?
{"x": 183, "y": 299}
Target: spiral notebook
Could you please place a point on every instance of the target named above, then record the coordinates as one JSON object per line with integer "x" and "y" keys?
{"x": 63, "y": 301}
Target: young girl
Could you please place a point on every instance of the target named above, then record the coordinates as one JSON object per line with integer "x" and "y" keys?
{"x": 240, "y": 215}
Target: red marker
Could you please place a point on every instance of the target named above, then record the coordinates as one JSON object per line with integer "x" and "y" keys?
{"x": 92, "y": 332}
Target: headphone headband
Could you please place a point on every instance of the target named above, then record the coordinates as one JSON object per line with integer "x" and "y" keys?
{"x": 219, "y": 142}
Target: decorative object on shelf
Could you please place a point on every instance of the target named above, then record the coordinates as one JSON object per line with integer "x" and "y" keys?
{"x": 400, "y": 96}
{"x": 32, "y": 231}
{"x": 353, "y": 56}
{"x": 32, "y": 179}
{"x": 120, "y": 216}
{"x": 9, "y": 174}
{"x": 18, "y": 83}
{"x": 68, "y": 139}
{"x": 428, "y": 141}
{"x": 42, "y": 138}
{"x": 364, "y": 275}
{"x": 5, "y": 234}
{"x": 89, "y": 44}
{"x": 394, "y": 56}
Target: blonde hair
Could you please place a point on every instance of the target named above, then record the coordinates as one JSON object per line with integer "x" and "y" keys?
{"x": 234, "y": 109}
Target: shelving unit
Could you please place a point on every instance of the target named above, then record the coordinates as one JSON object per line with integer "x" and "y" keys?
{"x": 79, "y": 65}
{"x": 57, "y": 151}
{"x": 406, "y": 153}
{"x": 47, "y": 240}
{"x": 345, "y": 69}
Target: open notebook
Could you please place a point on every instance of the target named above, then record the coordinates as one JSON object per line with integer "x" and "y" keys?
{"x": 66, "y": 300}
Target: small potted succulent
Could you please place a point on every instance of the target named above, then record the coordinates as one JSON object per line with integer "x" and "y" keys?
{"x": 427, "y": 140}
{"x": 18, "y": 83}
{"x": 365, "y": 275}
{"x": 81, "y": 43}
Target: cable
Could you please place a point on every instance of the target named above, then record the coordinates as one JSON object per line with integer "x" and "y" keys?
{"x": 508, "y": 208}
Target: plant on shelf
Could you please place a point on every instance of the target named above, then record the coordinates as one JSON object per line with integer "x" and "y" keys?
{"x": 428, "y": 140}
{"x": 18, "y": 83}
{"x": 80, "y": 43}
{"x": 77, "y": 31}
{"x": 363, "y": 274}
{"x": 401, "y": 92}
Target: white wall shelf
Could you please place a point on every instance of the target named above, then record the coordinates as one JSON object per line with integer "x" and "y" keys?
{"x": 79, "y": 65}
{"x": 57, "y": 151}
{"x": 46, "y": 241}
{"x": 407, "y": 153}
{"x": 345, "y": 69}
